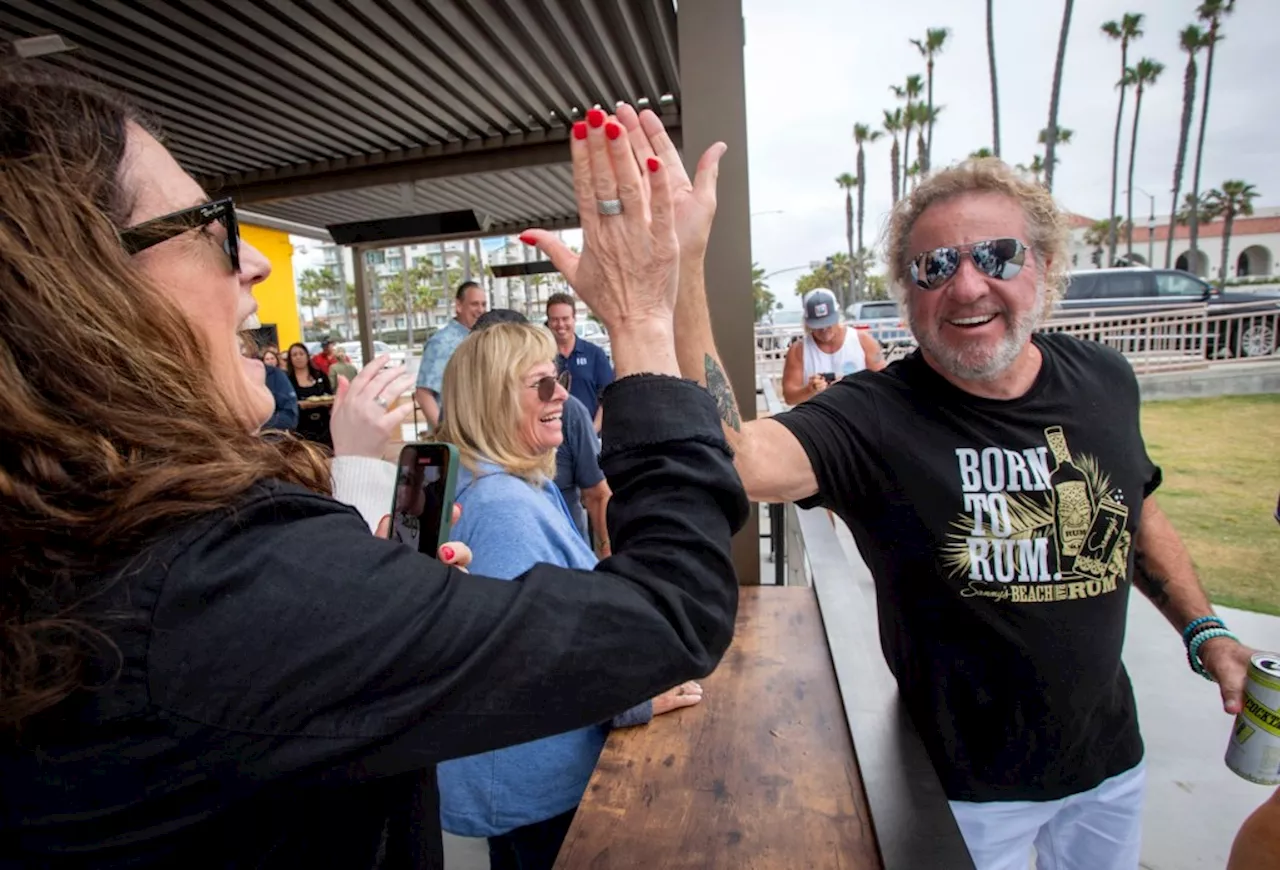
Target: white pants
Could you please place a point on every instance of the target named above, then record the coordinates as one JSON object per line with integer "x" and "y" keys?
{"x": 1100, "y": 829}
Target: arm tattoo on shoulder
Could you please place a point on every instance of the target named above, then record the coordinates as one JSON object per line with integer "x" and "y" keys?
{"x": 1149, "y": 582}
{"x": 718, "y": 387}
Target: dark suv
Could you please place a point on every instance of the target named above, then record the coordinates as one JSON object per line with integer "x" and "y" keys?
{"x": 1243, "y": 330}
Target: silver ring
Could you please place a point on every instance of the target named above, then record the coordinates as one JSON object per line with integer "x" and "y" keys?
{"x": 609, "y": 206}
{"x": 381, "y": 402}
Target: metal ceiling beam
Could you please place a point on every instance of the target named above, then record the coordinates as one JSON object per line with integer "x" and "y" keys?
{"x": 382, "y": 169}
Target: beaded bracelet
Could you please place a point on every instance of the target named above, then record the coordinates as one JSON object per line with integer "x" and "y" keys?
{"x": 1195, "y": 623}
{"x": 1193, "y": 649}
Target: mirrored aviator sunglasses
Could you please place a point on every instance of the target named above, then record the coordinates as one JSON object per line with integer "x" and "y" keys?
{"x": 995, "y": 258}
{"x": 546, "y": 386}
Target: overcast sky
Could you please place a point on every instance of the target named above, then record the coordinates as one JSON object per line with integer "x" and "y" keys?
{"x": 815, "y": 67}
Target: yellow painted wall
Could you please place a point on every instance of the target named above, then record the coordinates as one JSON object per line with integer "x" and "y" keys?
{"x": 277, "y": 301}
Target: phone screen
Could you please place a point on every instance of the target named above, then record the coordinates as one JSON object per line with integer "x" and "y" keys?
{"x": 423, "y": 503}
{"x": 830, "y": 377}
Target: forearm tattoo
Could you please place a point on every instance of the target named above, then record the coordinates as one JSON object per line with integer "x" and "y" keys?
{"x": 718, "y": 386}
{"x": 1149, "y": 582}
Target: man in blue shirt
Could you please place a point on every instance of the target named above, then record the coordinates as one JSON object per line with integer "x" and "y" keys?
{"x": 588, "y": 367}
{"x": 468, "y": 304}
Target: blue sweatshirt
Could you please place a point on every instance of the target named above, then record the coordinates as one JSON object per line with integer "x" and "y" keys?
{"x": 511, "y": 525}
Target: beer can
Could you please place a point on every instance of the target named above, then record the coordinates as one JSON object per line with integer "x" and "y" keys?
{"x": 1254, "y": 749}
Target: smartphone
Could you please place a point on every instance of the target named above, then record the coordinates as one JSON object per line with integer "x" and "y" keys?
{"x": 829, "y": 377}
{"x": 422, "y": 507}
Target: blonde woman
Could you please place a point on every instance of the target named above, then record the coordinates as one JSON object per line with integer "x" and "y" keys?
{"x": 505, "y": 402}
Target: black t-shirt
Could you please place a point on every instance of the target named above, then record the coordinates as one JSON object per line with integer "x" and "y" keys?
{"x": 999, "y": 534}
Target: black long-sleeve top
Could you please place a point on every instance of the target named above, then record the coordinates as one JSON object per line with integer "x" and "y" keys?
{"x": 285, "y": 674}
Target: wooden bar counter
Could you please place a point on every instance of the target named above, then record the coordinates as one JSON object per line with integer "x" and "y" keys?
{"x": 760, "y": 775}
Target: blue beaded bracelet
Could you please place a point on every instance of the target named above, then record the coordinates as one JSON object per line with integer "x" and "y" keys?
{"x": 1193, "y": 649}
{"x": 1195, "y": 623}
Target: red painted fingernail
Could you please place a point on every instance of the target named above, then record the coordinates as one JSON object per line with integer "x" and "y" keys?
{"x": 527, "y": 238}
{"x": 595, "y": 117}
{"x": 654, "y": 164}
{"x": 447, "y": 553}
{"x": 612, "y": 130}
{"x": 579, "y": 130}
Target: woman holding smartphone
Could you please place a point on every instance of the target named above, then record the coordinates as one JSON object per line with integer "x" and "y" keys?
{"x": 205, "y": 660}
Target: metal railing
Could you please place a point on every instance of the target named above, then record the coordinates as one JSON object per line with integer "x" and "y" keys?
{"x": 1189, "y": 336}
{"x": 1195, "y": 335}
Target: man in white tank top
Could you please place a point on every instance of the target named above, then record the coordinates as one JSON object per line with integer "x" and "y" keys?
{"x": 829, "y": 350}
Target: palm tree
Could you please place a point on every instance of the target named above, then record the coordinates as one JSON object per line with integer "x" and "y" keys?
{"x": 1192, "y": 40}
{"x": 1053, "y": 136}
{"x": 909, "y": 92}
{"x": 862, "y": 134}
{"x": 930, "y": 46}
{"x": 913, "y": 175}
{"x": 981, "y": 153}
{"x": 925, "y": 118}
{"x": 1235, "y": 198}
{"x": 995, "y": 91}
{"x": 1036, "y": 169}
{"x": 1096, "y": 236}
{"x": 761, "y": 298}
{"x": 893, "y": 126}
{"x": 848, "y": 183}
{"x": 1063, "y": 137}
{"x": 316, "y": 286}
{"x": 1213, "y": 12}
{"x": 1145, "y": 73}
{"x": 1126, "y": 30}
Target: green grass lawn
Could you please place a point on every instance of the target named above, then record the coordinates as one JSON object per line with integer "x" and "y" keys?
{"x": 1221, "y": 462}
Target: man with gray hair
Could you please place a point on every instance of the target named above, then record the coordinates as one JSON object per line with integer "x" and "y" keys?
{"x": 998, "y": 485}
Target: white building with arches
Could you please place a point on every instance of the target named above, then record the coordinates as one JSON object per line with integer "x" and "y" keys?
{"x": 1254, "y": 245}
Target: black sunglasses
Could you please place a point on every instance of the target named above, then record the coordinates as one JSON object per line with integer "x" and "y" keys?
{"x": 995, "y": 258}
{"x": 161, "y": 229}
{"x": 546, "y": 385}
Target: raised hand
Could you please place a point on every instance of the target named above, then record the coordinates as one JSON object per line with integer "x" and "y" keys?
{"x": 363, "y": 422}
{"x": 694, "y": 200}
{"x": 627, "y": 271}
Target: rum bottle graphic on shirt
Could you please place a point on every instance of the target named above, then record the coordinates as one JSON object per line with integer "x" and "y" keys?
{"x": 1073, "y": 510}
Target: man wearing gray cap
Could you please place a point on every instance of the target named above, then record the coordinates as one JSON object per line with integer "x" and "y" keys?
{"x": 827, "y": 353}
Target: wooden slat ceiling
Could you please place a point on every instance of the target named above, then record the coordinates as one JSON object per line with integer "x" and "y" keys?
{"x": 329, "y": 111}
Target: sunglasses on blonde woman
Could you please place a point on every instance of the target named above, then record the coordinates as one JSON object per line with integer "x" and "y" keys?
{"x": 995, "y": 258}
{"x": 546, "y": 386}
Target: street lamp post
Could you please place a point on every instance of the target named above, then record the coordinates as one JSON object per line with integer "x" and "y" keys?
{"x": 1151, "y": 226}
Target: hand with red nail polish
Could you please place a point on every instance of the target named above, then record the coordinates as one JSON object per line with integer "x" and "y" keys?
{"x": 695, "y": 200}
{"x": 579, "y": 130}
{"x": 627, "y": 271}
{"x": 455, "y": 554}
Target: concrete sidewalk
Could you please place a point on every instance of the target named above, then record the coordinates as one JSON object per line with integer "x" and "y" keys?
{"x": 1195, "y": 804}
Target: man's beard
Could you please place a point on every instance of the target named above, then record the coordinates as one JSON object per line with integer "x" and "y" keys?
{"x": 978, "y": 361}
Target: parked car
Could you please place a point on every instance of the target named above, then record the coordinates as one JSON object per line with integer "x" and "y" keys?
{"x": 356, "y": 353}
{"x": 1138, "y": 291}
{"x": 779, "y": 329}
{"x": 883, "y": 320}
